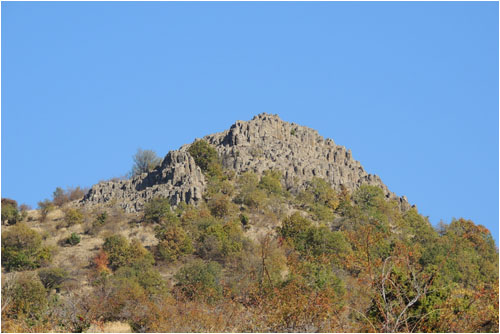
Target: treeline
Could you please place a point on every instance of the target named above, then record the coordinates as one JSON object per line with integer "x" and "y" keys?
{"x": 255, "y": 257}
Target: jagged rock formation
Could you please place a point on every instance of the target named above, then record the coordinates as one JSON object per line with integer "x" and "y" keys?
{"x": 265, "y": 142}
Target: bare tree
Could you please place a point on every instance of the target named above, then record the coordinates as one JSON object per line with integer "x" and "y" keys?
{"x": 395, "y": 308}
{"x": 144, "y": 161}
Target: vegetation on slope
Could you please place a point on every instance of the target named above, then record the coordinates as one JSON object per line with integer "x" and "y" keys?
{"x": 254, "y": 257}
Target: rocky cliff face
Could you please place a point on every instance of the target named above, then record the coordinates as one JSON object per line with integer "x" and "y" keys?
{"x": 265, "y": 142}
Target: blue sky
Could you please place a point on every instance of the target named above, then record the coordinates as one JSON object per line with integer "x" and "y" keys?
{"x": 410, "y": 87}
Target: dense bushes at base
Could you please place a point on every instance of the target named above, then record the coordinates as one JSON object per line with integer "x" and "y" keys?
{"x": 252, "y": 257}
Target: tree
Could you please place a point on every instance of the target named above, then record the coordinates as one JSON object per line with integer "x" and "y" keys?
{"x": 59, "y": 197}
{"x": 144, "y": 161}
{"x": 10, "y": 214}
{"x": 45, "y": 207}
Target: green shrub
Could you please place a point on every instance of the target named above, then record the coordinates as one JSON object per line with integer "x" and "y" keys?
{"x": 147, "y": 277}
{"x": 173, "y": 243}
{"x": 217, "y": 241}
{"x": 100, "y": 220}
{"x": 117, "y": 248}
{"x": 320, "y": 198}
{"x": 10, "y": 214}
{"x": 122, "y": 253}
{"x": 220, "y": 206}
{"x": 52, "y": 278}
{"x": 368, "y": 197}
{"x": 22, "y": 249}
{"x": 158, "y": 210}
{"x": 73, "y": 216}
{"x": 324, "y": 193}
{"x": 271, "y": 182}
{"x": 249, "y": 193}
{"x": 244, "y": 219}
{"x": 294, "y": 226}
{"x": 73, "y": 239}
{"x": 312, "y": 240}
{"x": 200, "y": 280}
{"x": 26, "y": 295}
{"x": 206, "y": 157}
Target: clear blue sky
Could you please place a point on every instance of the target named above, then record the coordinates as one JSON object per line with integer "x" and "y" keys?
{"x": 411, "y": 88}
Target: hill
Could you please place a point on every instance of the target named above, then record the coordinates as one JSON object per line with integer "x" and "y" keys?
{"x": 265, "y": 227}
{"x": 263, "y": 143}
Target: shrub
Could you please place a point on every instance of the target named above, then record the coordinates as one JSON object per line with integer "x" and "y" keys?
{"x": 45, "y": 207}
{"x": 270, "y": 182}
{"x": 10, "y": 214}
{"x": 324, "y": 193}
{"x": 59, "y": 197}
{"x": 144, "y": 161}
{"x": 219, "y": 241}
{"x": 200, "y": 280}
{"x": 117, "y": 248}
{"x": 76, "y": 193}
{"x": 220, "y": 206}
{"x": 249, "y": 193}
{"x": 174, "y": 242}
{"x": 319, "y": 276}
{"x": 73, "y": 216}
{"x": 158, "y": 210}
{"x": 320, "y": 198}
{"x": 101, "y": 261}
{"x": 312, "y": 240}
{"x": 244, "y": 219}
{"x": 148, "y": 278}
{"x": 368, "y": 197}
{"x": 294, "y": 226}
{"x": 100, "y": 220}
{"x": 73, "y": 239}
{"x": 52, "y": 278}
{"x": 24, "y": 295}
{"x": 122, "y": 253}
{"x": 206, "y": 157}
{"x": 22, "y": 249}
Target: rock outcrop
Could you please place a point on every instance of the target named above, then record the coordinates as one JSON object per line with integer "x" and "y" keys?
{"x": 265, "y": 142}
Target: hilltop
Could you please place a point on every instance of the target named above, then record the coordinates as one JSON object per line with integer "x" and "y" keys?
{"x": 264, "y": 227}
{"x": 264, "y": 143}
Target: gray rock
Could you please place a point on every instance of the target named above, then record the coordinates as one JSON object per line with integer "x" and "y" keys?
{"x": 265, "y": 142}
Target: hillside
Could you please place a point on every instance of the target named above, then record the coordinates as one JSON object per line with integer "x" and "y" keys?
{"x": 265, "y": 227}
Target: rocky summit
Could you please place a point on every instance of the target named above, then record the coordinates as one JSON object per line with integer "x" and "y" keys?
{"x": 263, "y": 143}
